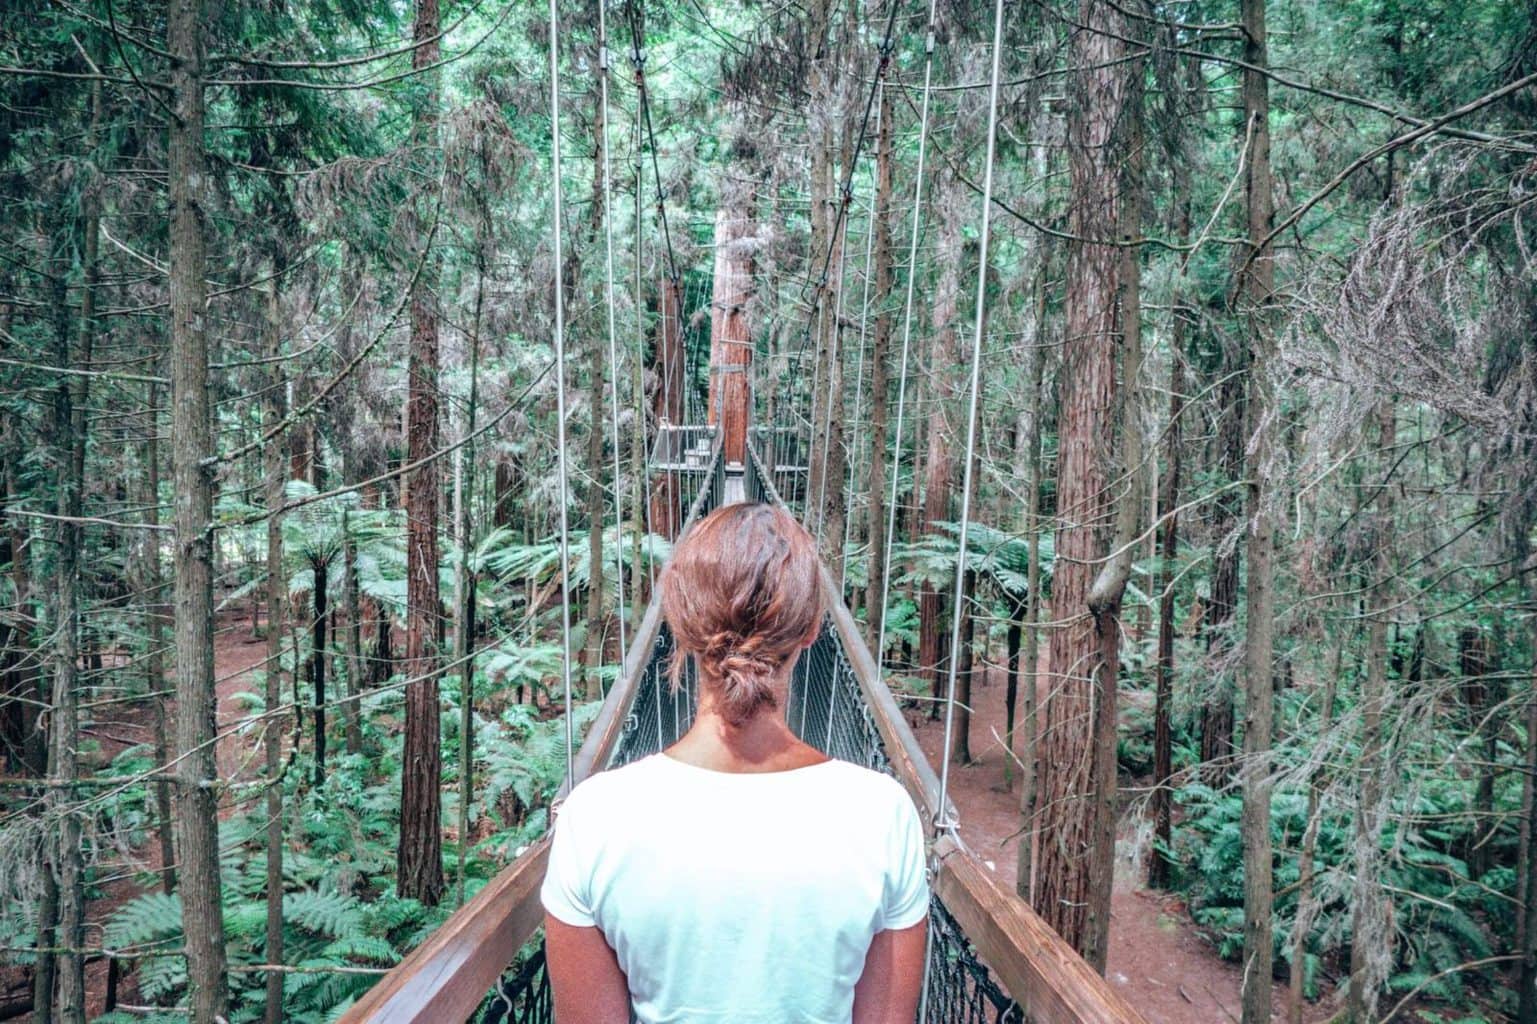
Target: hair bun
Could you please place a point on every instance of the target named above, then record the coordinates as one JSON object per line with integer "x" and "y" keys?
{"x": 746, "y": 673}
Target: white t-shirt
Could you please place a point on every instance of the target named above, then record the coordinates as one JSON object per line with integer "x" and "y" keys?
{"x": 743, "y": 897}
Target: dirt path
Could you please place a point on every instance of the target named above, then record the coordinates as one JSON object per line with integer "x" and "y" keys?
{"x": 1158, "y": 958}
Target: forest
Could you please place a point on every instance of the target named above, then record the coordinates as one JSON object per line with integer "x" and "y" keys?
{"x": 1159, "y": 380}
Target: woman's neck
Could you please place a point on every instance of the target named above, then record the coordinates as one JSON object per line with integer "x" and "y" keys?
{"x": 764, "y": 743}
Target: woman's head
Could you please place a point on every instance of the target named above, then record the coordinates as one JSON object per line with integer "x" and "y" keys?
{"x": 742, "y": 595}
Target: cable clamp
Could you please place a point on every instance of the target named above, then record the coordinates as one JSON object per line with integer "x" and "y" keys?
{"x": 928, "y": 44}
{"x": 603, "y": 58}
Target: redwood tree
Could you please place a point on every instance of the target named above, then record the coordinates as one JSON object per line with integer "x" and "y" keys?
{"x": 1067, "y": 892}
{"x": 419, "y": 867}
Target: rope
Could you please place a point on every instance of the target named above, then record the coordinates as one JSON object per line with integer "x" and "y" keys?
{"x": 945, "y": 821}
{"x": 613, "y": 353}
{"x": 907, "y": 332}
{"x": 560, "y": 395}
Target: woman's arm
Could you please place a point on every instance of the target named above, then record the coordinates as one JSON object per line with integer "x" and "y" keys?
{"x": 888, "y": 989}
{"x": 585, "y": 977}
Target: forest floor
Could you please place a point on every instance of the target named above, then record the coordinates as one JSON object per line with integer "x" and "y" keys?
{"x": 1159, "y": 959}
{"x": 236, "y": 654}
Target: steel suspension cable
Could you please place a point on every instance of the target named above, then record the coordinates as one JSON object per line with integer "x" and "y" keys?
{"x": 907, "y": 330}
{"x": 946, "y": 822}
{"x": 560, "y": 396}
{"x": 613, "y": 353}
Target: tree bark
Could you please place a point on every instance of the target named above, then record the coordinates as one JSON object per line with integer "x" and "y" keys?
{"x": 1073, "y": 783}
{"x": 667, "y": 406}
{"x": 730, "y": 333}
{"x": 1029, "y": 756}
{"x": 352, "y": 641}
{"x": 321, "y": 570}
{"x": 197, "y": 772}
{"x": 273, "y": 464}
{"x": 1160, "y": 873}
{"x": 880, "y": 373}
{"x": 1526, "y": 1007}
{"x": 419, "y": 867}
{"x": 939, "y": 463}
{"x": 64, "y": 735}
{"x": 592, "y": 649}
{"x": 1257, "y": 285}
{"x": 960, "y": 740}
{"x": 151, "y": 584}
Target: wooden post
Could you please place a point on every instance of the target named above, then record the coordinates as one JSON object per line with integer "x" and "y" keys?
{"x": 667, "y": 406}
{"x": 730, "y": 334}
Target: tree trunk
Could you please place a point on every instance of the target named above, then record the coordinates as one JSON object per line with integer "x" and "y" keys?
{"x": 352, "y": 641}
{"x": 274, "y": 410}
{"x": 192, "y": 438}
{"x": 419, "y": 867}
{"x": 730, "y": 333}
{"x": 1029, "y": 755}
{"x": 1369, "y": 925}
{"x": 151, "y": 584}
{"x": 1160, "y": 874}
{"x": 939, "y": 463}
{"x": 880, "y": 373}
{"x": 320, "y": 568}
{"x": 1071, "y": 898}
{"x": 667, "y": 407}
{"x": 960, "y": 740}
{"x": 1526, "y": 1009}
{"x": 592, "y": 649}
{"x": 1257, "y": 285}
{"x": 64, "y": 735}
{"x": 1476, "y": 658}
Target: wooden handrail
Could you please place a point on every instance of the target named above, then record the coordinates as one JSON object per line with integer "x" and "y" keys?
{"x": 908, "y": 762}
{"x": 1037, "y": 968}
{"x": 447, "y": 977}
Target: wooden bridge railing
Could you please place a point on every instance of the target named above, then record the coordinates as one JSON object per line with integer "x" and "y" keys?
{"x": 446, "y": 978}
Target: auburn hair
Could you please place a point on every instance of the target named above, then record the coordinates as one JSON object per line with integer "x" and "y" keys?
{"x": 742, "y": 595}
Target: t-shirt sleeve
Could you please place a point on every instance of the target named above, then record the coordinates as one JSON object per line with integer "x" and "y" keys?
{"x": 567, "y": 888}
{"x": 906, "y": 899}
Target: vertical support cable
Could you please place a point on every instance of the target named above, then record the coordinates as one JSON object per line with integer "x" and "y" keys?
{"x": 945, "y": 821}
{"x": 907, "y": 332}
{"x": 560, "y": 396}
{"x": 613, "y": 352}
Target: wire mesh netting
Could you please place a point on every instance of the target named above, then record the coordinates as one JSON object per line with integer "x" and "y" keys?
{"x": 827, "y": 709}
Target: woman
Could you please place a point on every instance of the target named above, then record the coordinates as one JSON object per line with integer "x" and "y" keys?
{"x": 740, "y": 875}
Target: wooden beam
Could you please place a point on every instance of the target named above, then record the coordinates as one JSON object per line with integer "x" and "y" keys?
{"x": 447, "y": 977}
{"x": 1037, "y": 968}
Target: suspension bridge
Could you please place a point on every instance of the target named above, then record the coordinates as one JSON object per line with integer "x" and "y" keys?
{"x": 990, "y": 957}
